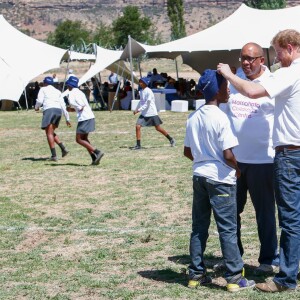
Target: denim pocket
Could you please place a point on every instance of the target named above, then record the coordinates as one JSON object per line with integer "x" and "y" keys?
{"x": 221, "y": 194}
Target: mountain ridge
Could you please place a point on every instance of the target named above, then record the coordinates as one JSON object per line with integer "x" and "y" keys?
{"x": 39, "y": 18}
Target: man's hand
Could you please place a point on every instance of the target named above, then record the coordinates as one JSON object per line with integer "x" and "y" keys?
{"x": 224, "y": 70}
{"x": 135, "y": 112}
{"x": 68, "y": 124}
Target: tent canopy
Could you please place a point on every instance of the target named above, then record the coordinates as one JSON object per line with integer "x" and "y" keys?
{"x": 222, "y": 42}
{"x": 107, "y": 59}
{"x": 22, "y": 58}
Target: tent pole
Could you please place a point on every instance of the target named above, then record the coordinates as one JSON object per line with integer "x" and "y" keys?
{"x": 26, "y": 101}
{"x": 131, "y": 66}
{"x": 69, "y": 58}
{"x": 19, "y": 106}
{"x": 175, "y": 60}
{"x": 139, "y": 64}
{"x": 117, "y": 91}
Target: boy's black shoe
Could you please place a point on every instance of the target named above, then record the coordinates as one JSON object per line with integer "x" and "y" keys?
{"x": 98, "y": 156}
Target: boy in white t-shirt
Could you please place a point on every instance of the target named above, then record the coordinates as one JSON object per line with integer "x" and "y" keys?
{"x": 85, "y": 118}
{"x": 149, "y": 116}
{"x": 208, "y": 143}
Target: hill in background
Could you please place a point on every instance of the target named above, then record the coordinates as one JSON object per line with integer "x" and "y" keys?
{"x": 41, "y": 17}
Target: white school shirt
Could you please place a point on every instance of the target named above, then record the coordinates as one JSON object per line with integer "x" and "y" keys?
{"x": 208, "y": 133}
{"x": 77, "y": 99}
{"x": 50, "y": 97}
{"x": 147, "y": 105}
{"x": 252, "y": 122}
{"x": 284, "y": 85}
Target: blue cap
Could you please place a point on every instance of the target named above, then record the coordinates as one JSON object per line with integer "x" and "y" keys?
{"x": 209, "y": 83}
{"x": 48, "y": 80}
{"x": 144, "y": 80}
{"x": 72, "y": 82}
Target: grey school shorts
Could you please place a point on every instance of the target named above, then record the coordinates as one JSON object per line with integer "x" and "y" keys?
{"x": 149, "y": 121}
{"x": 86, "y": 126}
{"x": 51, "y": 116}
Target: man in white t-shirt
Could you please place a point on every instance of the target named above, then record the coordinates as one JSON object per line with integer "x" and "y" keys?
{"x": 208, "y": 144}
{"x": 284, "y": 86}
{"x": 113, "y": 78}
{"x": 252, "y": 121}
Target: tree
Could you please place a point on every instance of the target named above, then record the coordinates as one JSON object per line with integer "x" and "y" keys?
{"x": 69, "y": 34}
{"x": 104, "y": 36}
{"x": 131, "y": 23}
{"x": 266, "y": 4}
{"x": 175, "y": 14}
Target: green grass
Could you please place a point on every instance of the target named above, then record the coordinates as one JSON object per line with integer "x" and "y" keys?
{"x": 119, "y": 230}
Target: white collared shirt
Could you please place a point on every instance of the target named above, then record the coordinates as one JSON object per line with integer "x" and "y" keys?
{"x": 50, "y": 97}
{"x": 252, "y": 122}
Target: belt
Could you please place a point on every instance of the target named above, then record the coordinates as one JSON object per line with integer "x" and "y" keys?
{"x": 288, "y": 147}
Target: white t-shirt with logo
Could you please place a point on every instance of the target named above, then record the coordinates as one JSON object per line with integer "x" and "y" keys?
{"x": 252, "y": 122}
{"x": 208, "y": 133}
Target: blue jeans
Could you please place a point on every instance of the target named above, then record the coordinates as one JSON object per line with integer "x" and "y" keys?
{"x": 287, "y": 192}
{"x": 220, "y": 198}
{"x": 258, "y": 180}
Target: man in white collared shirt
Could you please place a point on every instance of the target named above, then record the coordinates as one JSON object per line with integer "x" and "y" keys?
{"x": 252, "y": 121}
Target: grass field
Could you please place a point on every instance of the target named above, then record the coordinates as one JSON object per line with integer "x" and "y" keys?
{"x": 119, "y": 230}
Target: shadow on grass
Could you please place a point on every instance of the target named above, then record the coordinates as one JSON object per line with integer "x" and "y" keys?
{"x": 180, "y": 259}
{"x": 69, "y": 164}
{"x": 35, "y": 158}
{"x": 142, "y": 148}
{"x": 170, "y": 276}
{"x": 53, "y": 163}
{"x": 167, "y": 275}
{"x": 210, "y": 260}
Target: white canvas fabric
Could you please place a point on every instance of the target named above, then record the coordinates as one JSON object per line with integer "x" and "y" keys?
{"x": 22, "y": 58}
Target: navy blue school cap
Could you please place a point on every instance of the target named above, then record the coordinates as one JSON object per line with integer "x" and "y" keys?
{"x": 209, "y": 83}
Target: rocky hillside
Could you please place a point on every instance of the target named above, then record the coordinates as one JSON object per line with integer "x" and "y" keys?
{"x": 41, "y": 17}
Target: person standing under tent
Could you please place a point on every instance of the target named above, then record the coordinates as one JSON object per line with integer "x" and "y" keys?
{"x": 53, "y": 105}
{"x": 97, "y": 93}
{"x": 70, "y": 73}
{"x": 284, "y": 86}
{"x": 208, "y": 144}
{"x": 113, "y": 78}
{"x": 85, "y": 117}
{"x": 149, "y": 115}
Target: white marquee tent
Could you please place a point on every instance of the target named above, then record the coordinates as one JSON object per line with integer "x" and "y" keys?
{"x": 106, "y": 59}
{"x": 222, "y": 42}
{"x": 22, "y": 58}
